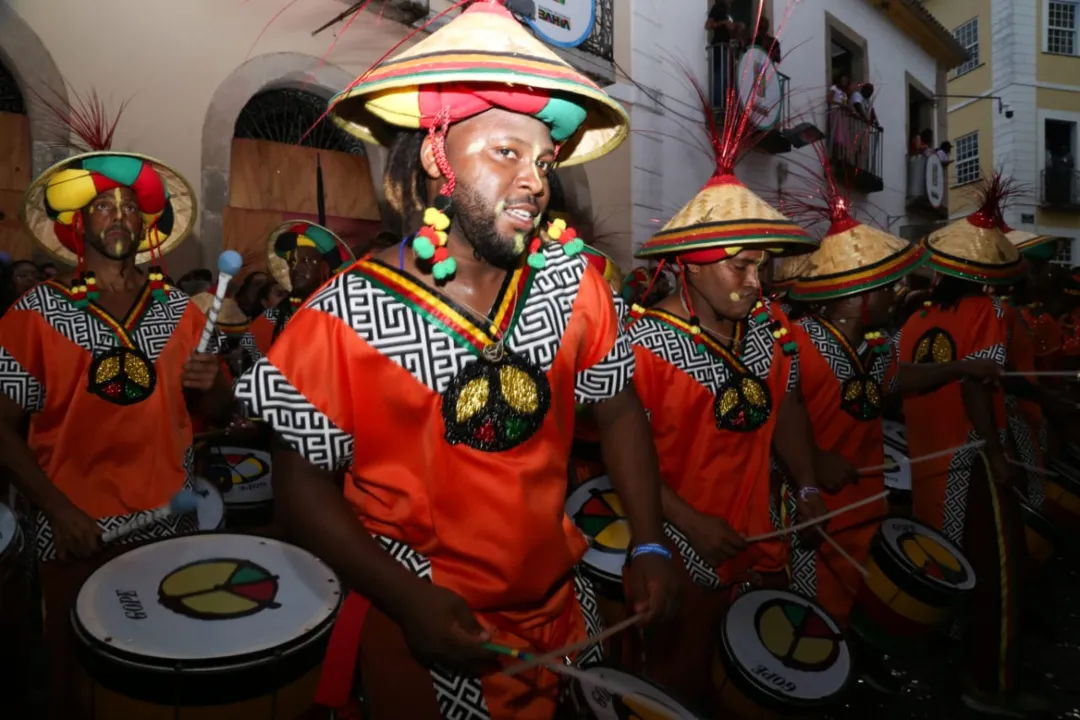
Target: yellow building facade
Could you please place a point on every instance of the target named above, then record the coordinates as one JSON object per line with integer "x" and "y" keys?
{"x": 1014, "y": 105}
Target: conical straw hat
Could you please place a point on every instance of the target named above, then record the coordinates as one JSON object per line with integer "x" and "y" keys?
{"x": 180, "y": 214}
{"x": 976, "y": 248}
{"x": 974, "y": 252}
{"x": 1024, "y": 241}
{"x": 485, "y": 44}
{"x": 855, "y": 258}
{"x": 333, "y": 249}
{"x": 230, "y": 319}
{"x": 787, "y": 270}
{"x": 727, "y": 214}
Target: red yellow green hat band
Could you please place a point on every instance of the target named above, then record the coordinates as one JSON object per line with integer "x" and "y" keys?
{"x": 871, "y": 277}
{"x": 722, "y": 219}
{"x": 289, "y": 236}
{"x": 988, "y": 274}
{"x": 53, "y": 201}
{"x": 483, "y": 58}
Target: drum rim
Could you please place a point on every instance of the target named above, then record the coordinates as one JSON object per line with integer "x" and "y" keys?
{"x": 1049, "y": 529}
{"x": 778, "y": 701}
{"x": 927, "y": 582}
{"x": 592, "y": 550}
{"x": 669, "y": 699}
{"x": 17, "y": 543}
{"x": 219, "y": 664}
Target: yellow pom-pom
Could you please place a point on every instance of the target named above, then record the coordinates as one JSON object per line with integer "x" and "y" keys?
{"x": 553, "y": 232}
{"x": 695, "y": 330}
{"x": 637, "y": 309}
{"x": 558, "y": 224}
{"x": 441, "y": 236}
{"x": 436, "y": 219}
{"x": 776, "y": 334}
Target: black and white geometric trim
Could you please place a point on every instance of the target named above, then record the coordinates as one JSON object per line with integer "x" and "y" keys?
{"x": 1027, "y": 448}
{"x": 170, "y": 526}
{"x": 608, "y": 377}
{"x": 594, "y": 623}
{"x": 459, "y": 696}
{"x": 266, "y": 394}
{"x": 19, "y": 385}
{"x": 957, "y": 484}
{"x": 995, "y": 352}
{"x": 701, "y": 572}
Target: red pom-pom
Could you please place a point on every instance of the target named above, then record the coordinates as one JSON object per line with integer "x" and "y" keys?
{"x": 441, "y": 253}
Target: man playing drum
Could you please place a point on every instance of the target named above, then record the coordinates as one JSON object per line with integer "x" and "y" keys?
{"x": 444, "y": 372}
{"x": 848, "y": 367}
{"x": 967, "y": 494}
{"x": 717, "y": 371}
{"x": 302, "y": 256}
{"x": 102, "y": 365}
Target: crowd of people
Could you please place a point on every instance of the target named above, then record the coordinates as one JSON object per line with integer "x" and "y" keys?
{"x": 432, "y": 406}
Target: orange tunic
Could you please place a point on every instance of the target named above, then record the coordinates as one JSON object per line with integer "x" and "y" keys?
{"x": 459, "y": 466}
{"x": 937, "y": 421}
{"x": 113, "y": 437}
{"x": 1025, "y": 418}
{"x": 833, "y": 382}
{"x": 713, "y": 414}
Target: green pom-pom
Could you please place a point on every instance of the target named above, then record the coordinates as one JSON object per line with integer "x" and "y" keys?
{"x": 158, "y": 294}
{"x": 537, "y": 261}
{"x": 84, "y": 302}
{"x": 444, "y": 268}
{"x": 790, "y": 348}
{"x": 94, "y": 295}
{"x": 699, "y": 348}
{"x": 574, "y": 247}
{"x": 423, "y": 247}
{"x": 758, "y": 319}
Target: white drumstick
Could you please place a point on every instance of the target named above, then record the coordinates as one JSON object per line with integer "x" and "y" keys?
{"x": 843, "y": 553}
{"x": 229, "y": 263}
{"x": 612, "y": 686}
{"x": 924, "y": 458}
{"x": 182, "y": 502}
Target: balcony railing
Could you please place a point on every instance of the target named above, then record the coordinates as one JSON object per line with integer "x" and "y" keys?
{"x": 732, "y": 69}
{"x": 926, "y": 184}
{"x": 855, "y": 150}
{"x": 601, "y": 41}
{"x": 1060, "y": 189}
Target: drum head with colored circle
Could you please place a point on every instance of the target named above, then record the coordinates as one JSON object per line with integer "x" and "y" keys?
{"x": 647, "y": 702}
{"x": 206, "y": 598}
{"x": 210, "y": 507}
{"x": 927, "y": 554}
{"x": 243, "y": 474}
{"x": 897, "y": 469}
{"x": 787, "y": 646}
{"x": 895, "y": 435}
{"x": 597, "y": 511}
{"x": 9, "y": 528}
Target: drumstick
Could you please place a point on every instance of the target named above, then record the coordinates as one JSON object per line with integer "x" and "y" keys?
{"x": 810, "y": 523}
{"x": 843, "y": 553}
{"x": 182, "y": 502}
{"x": 229, "y": 263}
{"x": 557, "y": 655}
{"x": 1044, "y": 373}
{"x": 614, "y": 686}
{"x": 924, "y": 458}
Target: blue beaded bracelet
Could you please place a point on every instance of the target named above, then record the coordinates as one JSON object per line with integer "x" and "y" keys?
{"x": 650, "y": 549}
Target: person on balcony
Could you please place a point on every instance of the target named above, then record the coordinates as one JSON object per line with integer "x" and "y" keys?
{"x": 862, "y": 104}
{"x": 725, "y": 33}
{"x": 764, "y": 39}
{"x": 838, "y": 110}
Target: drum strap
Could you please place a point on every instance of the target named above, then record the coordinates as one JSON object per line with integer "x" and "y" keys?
{"x": 339, "y": 666}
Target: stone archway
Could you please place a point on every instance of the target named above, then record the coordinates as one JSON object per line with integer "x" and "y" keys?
{"x": 265, "y": 72}
{"x": 23, "y": 53}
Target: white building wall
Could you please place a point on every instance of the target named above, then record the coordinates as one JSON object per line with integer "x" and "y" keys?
{"x": 669, "y": 168}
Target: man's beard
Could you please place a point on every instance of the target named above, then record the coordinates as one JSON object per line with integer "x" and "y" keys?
{"x": 477, "y": 223}
{"x": 107, "y": 247}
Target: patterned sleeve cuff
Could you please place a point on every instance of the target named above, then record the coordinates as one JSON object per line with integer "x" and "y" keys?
{"x": 994, "y": 352}
{"x": 248, "y": 346}
{"x": 266, "y": 394}
{"x": 894, "y": 346}
{"x": 607, "y": 378}
{"x": 793, "y": 373}
{"x": 19, "y": 385}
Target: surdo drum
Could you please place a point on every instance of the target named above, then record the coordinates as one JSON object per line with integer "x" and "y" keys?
{"x": 596, "y": 510}
{"x": 241, "y": 471}
{"x": 204, "y": 626}
{"x": 916, "y": 579}
{"x": 780, "y": 655}
{"x": 897, "y": 468}
{"x": 594, "y": 702}
{"x": 11, "y": 541}
{"x": 210, "y": 507}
